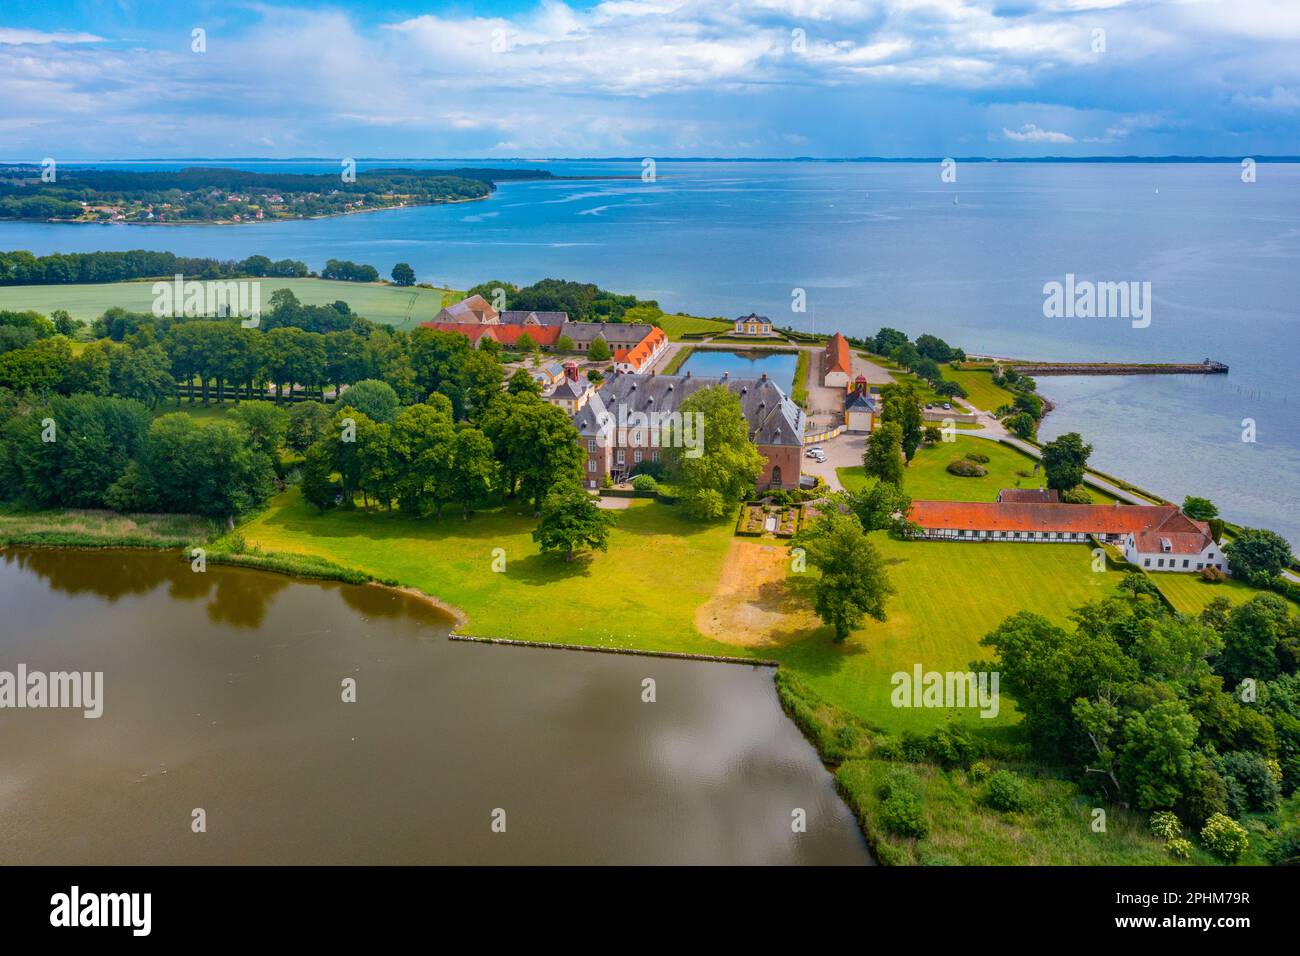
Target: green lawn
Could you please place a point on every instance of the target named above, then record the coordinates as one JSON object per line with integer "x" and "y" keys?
{"x": 378, "y": 302}
{"x": 980, "y": 390}
{"x": 642, "y": 593}
{"x": 927, "y": 476}
{"x": 1189, "y": 594}
{"x": 676, "y": 325}
{"x": 949, "y": 595}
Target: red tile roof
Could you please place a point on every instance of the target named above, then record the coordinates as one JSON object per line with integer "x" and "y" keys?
{"x": 838, "y": 358}
{"x": 640, "y": 353}
{"x": 1010, "y": 516}
{"x": 545, "y": 335}
{"x": 1029, "y": 495}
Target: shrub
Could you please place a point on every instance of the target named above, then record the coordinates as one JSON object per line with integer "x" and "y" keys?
{"x": 979, "y": 771}
{"x": 900, "y": 780}
{"x": 888, "y": 748}
{"x": 1165, "y": 825}
{"x": 1213, "y": 575}
{"x": 607, "y": 482}
{"x": 966, "y": 469}
{"x": 1179, "y": 848}
{"x": 1008, "y": 792}
{"x": 1078, "y": 495}
{"x": 846, "y": 738}
{"x": 901, "y": 814}
{"x": 978, "y": 457}
{"x": 645, "y": 483}
{"x": 1225, "y": 836}
{"x": 914, "y": 747}
{"x": 951, "y": 746}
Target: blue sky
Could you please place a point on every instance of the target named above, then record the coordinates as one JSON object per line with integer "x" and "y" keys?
{"x": 770, "y": 78}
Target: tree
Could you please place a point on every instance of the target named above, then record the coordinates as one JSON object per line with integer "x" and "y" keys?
{"x": 267, "y": 425}
{"x": 317, "y": 484}
{"x": 886, "y": 340}
{"x": 564, "y": 344}
{"x": 521, "y": 382}
{"x": 534, "y": 441}
{"x": 472, "y": 468}
{"x": 373, "y": 398}
{"x": 403, "y": 274}
{"x": 1257, "y": 551}
{"x": 308, "y": 423}
{"x": 571, "y": 520}
{"x": 526, "y": 343}
{"x": 934, "y": 348}
{"x": 1065, "y": 460}
{"x": 1199, "y": 509}
{"x": 599, "y": 350}
{"x": 724, "y": 466}
{"x": 884, "y": 455}
{"x": 853, "y": 582}
{"x": 903, "y": 408}
{"x": 1251, "y": 639}
{"x": 212, "y": 470}
{"x": 1022, "y": 425}
{"x": 882, "y": 507}
{"x": 422, "y": 443}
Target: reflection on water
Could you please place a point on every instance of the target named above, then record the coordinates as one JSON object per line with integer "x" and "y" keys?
{"x": 236, "y": 708}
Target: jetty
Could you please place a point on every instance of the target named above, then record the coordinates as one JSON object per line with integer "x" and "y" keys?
{"x": 1206, "y": 367}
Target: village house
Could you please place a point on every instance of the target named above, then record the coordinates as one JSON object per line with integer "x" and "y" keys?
{"x": 548, "y": 375}
{"x": 776, "y": 424}
{"x": 837, "y": 362}
{"x": 1159, "y": 537}
{"x": 861, "y": 407}
{"x": 1026, "y": 496}
{"x": 641, "y": 356}
{"x": 1176, "y": 544}
{"x": 474, "y": 310}
{"x": 753, "y": 325}
{"x": 509, "y": 336}
{"x": 573, "y": 391}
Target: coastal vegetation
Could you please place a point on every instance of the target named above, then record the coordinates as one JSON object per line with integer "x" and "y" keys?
{"x": 204, "y": 194}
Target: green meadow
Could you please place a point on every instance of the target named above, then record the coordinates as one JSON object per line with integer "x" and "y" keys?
{"x": 379, "y": 302}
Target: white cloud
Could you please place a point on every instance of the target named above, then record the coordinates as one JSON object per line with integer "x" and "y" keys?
{"x": 15, "y": 37}
{"x": 1029, "y": 133}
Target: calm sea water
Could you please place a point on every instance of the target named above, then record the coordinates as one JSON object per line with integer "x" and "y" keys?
{"x": 889, "y": 244}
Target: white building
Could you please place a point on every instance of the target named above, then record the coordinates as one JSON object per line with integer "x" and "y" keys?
{"x": 1178, "y": 544}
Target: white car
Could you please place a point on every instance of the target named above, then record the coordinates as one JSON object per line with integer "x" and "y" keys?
{"x": 814, "y": 452}
{"x": 819, "y": 456}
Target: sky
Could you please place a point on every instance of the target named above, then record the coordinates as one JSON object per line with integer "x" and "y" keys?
{"x": 116, "y": 79}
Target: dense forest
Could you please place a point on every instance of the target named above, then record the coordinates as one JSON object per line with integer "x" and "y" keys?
{"x": 206, "y": 194}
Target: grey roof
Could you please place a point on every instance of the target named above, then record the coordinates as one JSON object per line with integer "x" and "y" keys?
{"x": 623, "y": 333}
{"x": 554, "y": 370}
{"x": 857, "y": 400}
{"x": 752, "y": 317}
{"x": 522, "y": 316}
{"x": 568, "y": 388}
{"x": 773, "y": 418}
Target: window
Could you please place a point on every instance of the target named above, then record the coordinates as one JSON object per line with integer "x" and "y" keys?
{"x": 1160, "y": 562}
{"x": 636, "y": 455}
{"x": 654, "y": 455}
{"x": 620, "y": 456}
{"x": 1146, "y": 563}
{"x": 1186, "y": 562}
{"x": 591, "y": 464}
{"x": 1200, "y": 565}
{"x": 591, "y": 444}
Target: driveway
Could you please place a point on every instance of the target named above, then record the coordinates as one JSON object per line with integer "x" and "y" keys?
{"x": 841, "y": 452}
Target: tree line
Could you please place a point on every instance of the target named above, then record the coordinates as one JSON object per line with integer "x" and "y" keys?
{"x": 20, "y": 267}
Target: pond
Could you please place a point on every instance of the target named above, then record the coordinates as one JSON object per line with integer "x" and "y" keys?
{"x": 223, "y": 692}
{"x": 779, "y": 366}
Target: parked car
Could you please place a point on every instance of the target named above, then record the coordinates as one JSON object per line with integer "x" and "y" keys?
{"x": 947, "y": 406}
{"x": 814, "y": 452}
{"x": 819, "y": 456}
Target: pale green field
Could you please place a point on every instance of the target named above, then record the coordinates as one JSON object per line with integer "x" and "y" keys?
{"x": 1189, "y": 594}
{"x": 388, "y": 304}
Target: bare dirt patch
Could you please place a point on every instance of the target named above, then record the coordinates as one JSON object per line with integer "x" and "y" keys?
{"x": 752, "y": 606}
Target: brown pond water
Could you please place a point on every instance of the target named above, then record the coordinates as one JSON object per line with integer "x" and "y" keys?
{"x": 223, "y": 691}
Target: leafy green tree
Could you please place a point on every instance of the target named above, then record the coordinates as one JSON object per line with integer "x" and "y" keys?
{"x": 564, "y": 344}
{"x": 1157, "y": 754}
{"x": 1065, "y": 460}
{"x": 1256, "y": 551}
{"x": 521, "y": 381}
{"x": 599, "y": 350}
{"x": 317, "y": 484}
{"x": 1252, "y": 637}
{"x": 403, "y": 274}
{"x": 373, "y": 398}
{"x": 728, "y": 464}
{"x": 1022, "y": 425}
{"x": 571, "y": 521}
{"x": 853, "y": 582}
{"x": 902, "y": 408}
{"x": 472, "y": 469}
{"x": 882, "y": 507}
{"x": 526, "y": 343}
{"x": 1200, "y": 509}
{"x": 887, "y": 340}
{"x": 267, "y": 425}
{"x": 212, "y": 470}
{"x": 883, "y": 458}
{"x": 308, "y": 423}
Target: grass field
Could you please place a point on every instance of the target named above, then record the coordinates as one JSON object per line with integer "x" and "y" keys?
{"x": 87, "y": 528}
{"x": 949, "y": 595}
{"x": 642, "y": 593}
{"x": 980, "y": 390}
{"x": 676, "y": 325}
{"x": 389, "y": 304}
{"x": 1189, "y": 594}
{"x": 927, "y": 476}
